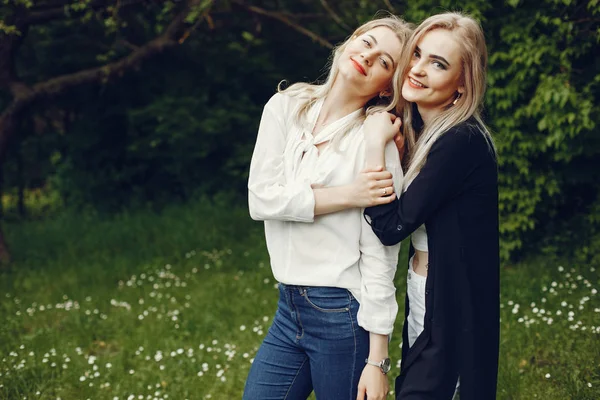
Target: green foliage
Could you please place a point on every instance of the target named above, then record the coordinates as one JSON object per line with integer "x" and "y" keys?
{"x": 543, "y": 108}
{"x": 99, "y": 307}
{"x": 185, "y": 122}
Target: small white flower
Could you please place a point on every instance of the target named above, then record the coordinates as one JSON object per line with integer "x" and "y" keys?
{"x": 548, "y": 376}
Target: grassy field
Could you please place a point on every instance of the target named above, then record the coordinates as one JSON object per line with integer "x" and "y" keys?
{"x": 174, "y": 306}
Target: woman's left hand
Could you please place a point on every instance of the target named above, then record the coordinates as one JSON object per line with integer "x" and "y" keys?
{"x": 373, "y": 384}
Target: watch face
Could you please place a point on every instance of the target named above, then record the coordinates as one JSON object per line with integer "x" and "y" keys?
{"x": 385, "y": 365}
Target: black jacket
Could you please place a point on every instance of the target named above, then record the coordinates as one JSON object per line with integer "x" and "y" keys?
{"x": 456, "y": 196}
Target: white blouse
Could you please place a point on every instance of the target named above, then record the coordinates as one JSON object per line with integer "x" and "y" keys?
{"x": 338, "y": 249}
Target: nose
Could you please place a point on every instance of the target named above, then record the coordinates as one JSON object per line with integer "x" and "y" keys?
{"x": 417, "y": 68}
{"x": 368, "y": 56}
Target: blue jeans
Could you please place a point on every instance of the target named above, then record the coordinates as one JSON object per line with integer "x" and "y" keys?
{"x": 314, "y": 343}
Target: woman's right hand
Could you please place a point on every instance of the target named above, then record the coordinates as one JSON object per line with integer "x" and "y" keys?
{"x": 381, "y": 127}
{"x": 372, "y": 187}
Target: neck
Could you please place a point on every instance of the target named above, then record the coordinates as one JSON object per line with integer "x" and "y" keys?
{"x": 426, "y": 115}
{"x": 341, "y": 101}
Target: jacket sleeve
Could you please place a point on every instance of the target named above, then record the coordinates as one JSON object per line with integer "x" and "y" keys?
{"x": 377, "y": 264}
{"x": 450, "y": 160}
{"x": 270, "y": 195}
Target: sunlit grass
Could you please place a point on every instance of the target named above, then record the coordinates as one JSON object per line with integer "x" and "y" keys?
{"x": 174, "y": 305}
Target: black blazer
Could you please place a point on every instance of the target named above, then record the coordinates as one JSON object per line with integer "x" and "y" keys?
{"x": 456, "y": 196}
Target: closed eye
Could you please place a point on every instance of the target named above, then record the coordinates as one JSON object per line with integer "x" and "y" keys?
{"x": 367, "y": 43}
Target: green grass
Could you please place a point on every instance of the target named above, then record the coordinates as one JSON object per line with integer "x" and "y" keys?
{"x": 173, "y": 305}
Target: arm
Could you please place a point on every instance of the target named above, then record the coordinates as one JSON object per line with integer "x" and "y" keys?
{"x": 271, "y": 197}
{"x": 377, "y": 265}
{"x": 373, "y": 384}
{"x": 366, "y": 190}
{"x": 378, "y": 307}
{"x": 450, "y": 160}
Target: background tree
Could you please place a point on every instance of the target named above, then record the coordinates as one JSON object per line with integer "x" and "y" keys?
{"x": 22, "y": 16}
{"x": 186, "y": 122}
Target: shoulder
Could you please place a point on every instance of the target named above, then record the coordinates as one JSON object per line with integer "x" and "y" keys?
{"x": 465, "y": 137}
{"x": 278, "y": 101}
{"x": 283, "y": 103}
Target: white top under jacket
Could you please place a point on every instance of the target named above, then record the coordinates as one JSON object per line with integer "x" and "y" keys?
{"x": 338, "y": 249}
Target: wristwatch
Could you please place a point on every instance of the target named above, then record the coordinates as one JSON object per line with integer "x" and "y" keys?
{"x": 383, "y": 365}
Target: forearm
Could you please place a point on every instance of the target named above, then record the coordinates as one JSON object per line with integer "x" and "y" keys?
{"x": 378, "y": 346}
{"x": 375, "y": 153}
{"x": 332, "y": 199}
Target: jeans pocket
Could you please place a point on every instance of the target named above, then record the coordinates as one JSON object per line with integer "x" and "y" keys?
{"x": 327, "y": 299}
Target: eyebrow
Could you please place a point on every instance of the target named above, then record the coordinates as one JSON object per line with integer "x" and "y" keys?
{"x": 435, "y": 57}
{"x": 385, "y": 53}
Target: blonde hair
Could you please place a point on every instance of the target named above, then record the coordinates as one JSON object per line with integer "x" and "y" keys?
{"x": 312, "y": 93}
{"x": 471, "y": 39}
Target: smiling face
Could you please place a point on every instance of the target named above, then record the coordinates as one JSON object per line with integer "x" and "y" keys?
{"x": 434, "y": 78}
{"x": 369, "y": 60}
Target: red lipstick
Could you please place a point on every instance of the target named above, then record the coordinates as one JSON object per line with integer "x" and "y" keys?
{"x": 358, "y": 67}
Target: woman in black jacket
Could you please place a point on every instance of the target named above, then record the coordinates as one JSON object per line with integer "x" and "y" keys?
{"x": 451, "y": 188}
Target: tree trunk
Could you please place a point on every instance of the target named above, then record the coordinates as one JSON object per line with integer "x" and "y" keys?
{"x": 20, "y": 184}
{"x": 23, "y": 96}
{"x": 6, "y": 130}
{"x": 4, "y": 253}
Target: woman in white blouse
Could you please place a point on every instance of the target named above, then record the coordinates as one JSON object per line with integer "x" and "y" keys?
{"x": 337, "y": 301}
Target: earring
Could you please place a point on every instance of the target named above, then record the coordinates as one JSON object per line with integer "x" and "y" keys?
{"x": 456, "y": 99}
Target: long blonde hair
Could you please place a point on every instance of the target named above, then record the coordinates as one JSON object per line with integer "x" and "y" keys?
{"x": 311, "y": 93}
{"x": 471, "y": 39}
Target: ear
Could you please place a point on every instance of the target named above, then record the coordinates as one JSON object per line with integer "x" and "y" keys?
{"x": 461, "y": 89}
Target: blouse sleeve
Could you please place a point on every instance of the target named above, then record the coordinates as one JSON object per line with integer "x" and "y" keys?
{"x": 377, "y": 264}
{"x": 270, "y": 196}
{"x": 449, "y": 162}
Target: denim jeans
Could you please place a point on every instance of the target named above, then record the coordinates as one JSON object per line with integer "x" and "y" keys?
{"x": 314, "y": 343}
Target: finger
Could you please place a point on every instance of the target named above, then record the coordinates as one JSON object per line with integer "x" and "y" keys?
{"x": 380, "y": 175}
{"x": 385, "y": 183}
{"x": 398, "y": 123}
{"x": 382, "y": 191}
{"x": 378, "y": 168}
{"x": 386, "y": 199}
{"x": 361, "y": 393}
{"x": 399, "y": 138}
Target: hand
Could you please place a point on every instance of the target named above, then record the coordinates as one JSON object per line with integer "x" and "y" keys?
{"x": 399, "y": 142}
{"x": 373, "y": 384}
{"x": 372, "y": 187}
{"x": 381, "y": 126}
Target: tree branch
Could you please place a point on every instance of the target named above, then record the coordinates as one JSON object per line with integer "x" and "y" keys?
{"x": 389, "y": 6}
{"x": 24, "y": 96}
{"x": 334, "y": 16}
{"x": 280, "y": 17}
{"x": 169, "y": 38}
{"x": 40, "y": 16}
